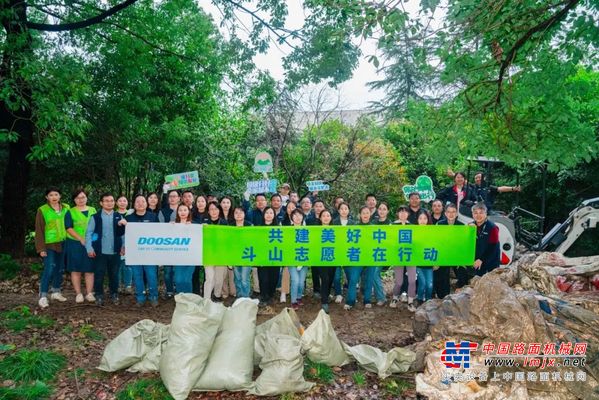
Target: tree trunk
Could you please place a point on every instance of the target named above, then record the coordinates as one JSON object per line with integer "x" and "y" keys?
{"x": 17, "y": 121}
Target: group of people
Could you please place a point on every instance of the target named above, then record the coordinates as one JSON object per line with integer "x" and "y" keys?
{"x": 90, "y": 242}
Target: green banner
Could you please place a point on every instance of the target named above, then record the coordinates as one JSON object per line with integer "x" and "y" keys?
{"x": 359, "y": 245}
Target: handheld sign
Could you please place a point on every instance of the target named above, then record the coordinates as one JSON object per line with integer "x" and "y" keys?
{"x": 317, "y": 186}
{"x": 162, "y": 244}
{"x": 182, "y": 180}
{"x": 263, "y": 162}
{"x": 424, "y": 186}
{"x": 262, "y": 186}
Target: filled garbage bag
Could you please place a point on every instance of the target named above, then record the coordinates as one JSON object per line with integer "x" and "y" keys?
{"x": 151, "y": 361}
{"x": 231, "y": 362}
{"x": 321, "y": 344}
{"x": 282, "y": 367}
{"x": 384, "y": 364}
{"x": 192, "y": 332}
{"x": 132, "y": 345}
{"x": 286, "y": 322}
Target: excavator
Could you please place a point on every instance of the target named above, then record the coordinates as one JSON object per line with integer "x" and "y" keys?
{"x": 527, "y": 228}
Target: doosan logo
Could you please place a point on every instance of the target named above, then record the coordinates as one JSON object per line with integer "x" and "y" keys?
{"x": 165, "y": 241}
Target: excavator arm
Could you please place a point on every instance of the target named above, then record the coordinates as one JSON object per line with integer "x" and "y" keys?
{"x": 563, "y": 236}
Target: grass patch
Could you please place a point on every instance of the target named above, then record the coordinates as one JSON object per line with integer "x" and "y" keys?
{"x": 9, "y": 268}
{"x": 35, "y": 391}
{"x": 20, "y": 318}
{"x": 144, "y": 389}
{"x": 32, "y": 365}
{"x": 318, "y": 371}
{"x": 87, "y": 331}
{"x": 7, "y": 347}
{"x": 359, "y": 378}
{"x": 396, "y": 387}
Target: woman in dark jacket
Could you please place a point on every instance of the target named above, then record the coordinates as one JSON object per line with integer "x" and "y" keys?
{"x": 460, "y": 193}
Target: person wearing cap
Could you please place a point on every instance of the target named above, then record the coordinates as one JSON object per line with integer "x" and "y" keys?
{"x": 284, "y": 193}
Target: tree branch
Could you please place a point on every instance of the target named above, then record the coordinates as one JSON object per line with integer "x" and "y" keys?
{"x": 69, "y": 26}
{"x": 511, "y": 54}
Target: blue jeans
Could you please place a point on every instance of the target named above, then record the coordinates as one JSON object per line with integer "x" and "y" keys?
{"x": 379, "y": 289}
{"x": 368, "y": 283}
{"x": 151, "y": 272}
{"x": 53, "y": 271}
{"x": 182, "y": 276}
{"x": 126, "y": 274}
{"x": 425, "y": 283}
{"x": 337, "y": 282}
{"x": 298, "y": 279}
{"x": 353, "y": 277}
{"x": 169, "y": 276}
{"x": 242, "y": 281}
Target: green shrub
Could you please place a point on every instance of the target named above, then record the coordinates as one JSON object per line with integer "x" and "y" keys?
{"x": 37, "y": 391}
{"x": 359, "y": 378}
{"x": 36, "y": 268}
{"x": 88, "y": 331}
{"x": 9, "y": 268}
{"x": 396, "y": 387}
{"x": 317, "y": 371}
{"x": 32, "y": 365}
{"x": 21, "y": 318}
{"x": 145, "y": 389}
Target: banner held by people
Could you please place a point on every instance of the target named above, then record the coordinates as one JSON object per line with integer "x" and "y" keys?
{"x": 163, "y": 244}
{"x": 340, "y": 245}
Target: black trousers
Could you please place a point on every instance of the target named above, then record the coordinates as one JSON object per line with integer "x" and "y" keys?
{"x": 463, "y": 274}
{"x": 197, "y": 285}
{"x": 326, "y": 275}
{"x": 441, "y": 282}
{"x": 268, "y": 277}
{"x": 316, "y": 280}
{"x": 106, "y": 264}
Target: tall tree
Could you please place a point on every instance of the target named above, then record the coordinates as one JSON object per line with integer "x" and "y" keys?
{"x": 30, "y": 127}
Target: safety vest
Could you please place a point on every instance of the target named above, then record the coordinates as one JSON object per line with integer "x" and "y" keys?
{"x": 54, "y": 231}
{"x": 80, "y": 221}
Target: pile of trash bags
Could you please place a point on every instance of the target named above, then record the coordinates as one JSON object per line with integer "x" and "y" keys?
{"x": 521, "y": 303}
{"x": 210, "y": 347}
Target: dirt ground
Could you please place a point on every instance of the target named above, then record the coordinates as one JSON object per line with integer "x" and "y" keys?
{"x": 82, "y": 331}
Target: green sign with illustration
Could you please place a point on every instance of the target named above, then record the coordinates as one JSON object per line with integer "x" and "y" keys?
{"x": 358, "y": 245}
{"x": 263, "y": 162}
{"x": 424, "y": 186}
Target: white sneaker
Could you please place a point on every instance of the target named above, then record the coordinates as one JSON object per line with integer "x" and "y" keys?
{"x": 58, "y": 296}
{"x": 411, "y": 308}
{"x": 380, "y": 303}
{"x": 368, "y": 305}
{"x": 90, "y": 298}
{"x": 43, "y": 302}
{"x": 283, "y": 298}
{"x": 404, "y": 297}
{"x": 79, "y": 298}
{"x": 338, "y": 299}
{"x": 393, "y": 303}
{"x": 347, "y": 307}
